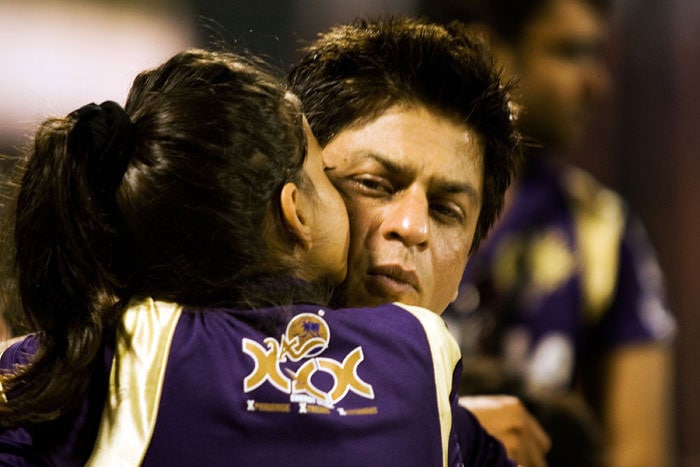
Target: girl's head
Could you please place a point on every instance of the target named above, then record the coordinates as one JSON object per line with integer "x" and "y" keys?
{"x": 207, "y": 189}
{"x": 220, "y": 147}
{"x": 207, "y": 183}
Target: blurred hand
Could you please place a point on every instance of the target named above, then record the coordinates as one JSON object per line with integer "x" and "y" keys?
{"x": 506, "y": 418}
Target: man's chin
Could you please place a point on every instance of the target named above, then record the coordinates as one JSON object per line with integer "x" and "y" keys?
{"x": 373, "y": 293}
{"x": 354, "y": 298}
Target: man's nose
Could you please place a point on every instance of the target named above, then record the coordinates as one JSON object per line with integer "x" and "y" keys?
{"x": 408, "y": 218}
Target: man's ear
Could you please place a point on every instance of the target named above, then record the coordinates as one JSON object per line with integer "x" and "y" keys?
{"x": 293, "y": 214}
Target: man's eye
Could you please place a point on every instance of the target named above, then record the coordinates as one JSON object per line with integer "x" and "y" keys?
{"x": 447, "y": 211}
{"x": 374, "y": 184}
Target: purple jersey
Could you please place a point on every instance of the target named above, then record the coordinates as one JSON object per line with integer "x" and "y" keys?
{"x": 565, "y": 274}
{"x": 301, "y": 385}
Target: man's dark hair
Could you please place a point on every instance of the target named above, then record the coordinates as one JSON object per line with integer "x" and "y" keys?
{"x": 353, "y": 73}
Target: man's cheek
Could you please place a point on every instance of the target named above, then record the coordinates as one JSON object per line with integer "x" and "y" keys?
{"x": 358, "y": 213}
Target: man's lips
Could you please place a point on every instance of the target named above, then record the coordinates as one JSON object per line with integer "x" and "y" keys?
{"x": 394, "y": 279}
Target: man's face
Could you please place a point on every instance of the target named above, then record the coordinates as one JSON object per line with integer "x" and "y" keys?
{"x": 560, "y": 70}
{"x": 412, "y": 181}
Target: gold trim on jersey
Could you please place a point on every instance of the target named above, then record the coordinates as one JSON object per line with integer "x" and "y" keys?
{"x": 143, "y": 344}
{"x": 445, "y": 354}
{"x": 599, "y": 219}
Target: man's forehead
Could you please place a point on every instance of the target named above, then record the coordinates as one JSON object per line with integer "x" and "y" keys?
{"x": 453, "y": 178}
{"x": 413, "y": 140}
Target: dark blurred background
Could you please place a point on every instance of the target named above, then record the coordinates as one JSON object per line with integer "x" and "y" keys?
{"x": 58, "y": 55}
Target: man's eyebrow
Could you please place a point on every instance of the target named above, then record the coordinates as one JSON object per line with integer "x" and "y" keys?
{"x": 385, "y": 162}
{"x": 452, "y": 187}
{"x": 441, "y": 185}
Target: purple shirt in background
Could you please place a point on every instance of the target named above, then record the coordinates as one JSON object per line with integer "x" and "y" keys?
{"x": 523, "y": 296}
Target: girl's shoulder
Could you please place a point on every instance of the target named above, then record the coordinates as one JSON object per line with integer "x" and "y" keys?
{"x": 17, "y": 350}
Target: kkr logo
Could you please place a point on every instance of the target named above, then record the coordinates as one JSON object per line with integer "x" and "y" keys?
{"x": 307, "y": 336}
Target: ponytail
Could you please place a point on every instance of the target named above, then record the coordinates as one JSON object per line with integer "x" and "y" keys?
{"x": 65, "y": 231}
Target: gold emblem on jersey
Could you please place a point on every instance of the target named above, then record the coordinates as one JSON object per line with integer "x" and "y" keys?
{"x": 307, "y": 336}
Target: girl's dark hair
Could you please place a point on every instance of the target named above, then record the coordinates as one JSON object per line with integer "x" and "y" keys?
{"x": 354, "y": 73}
{"x": 172, "y": 197}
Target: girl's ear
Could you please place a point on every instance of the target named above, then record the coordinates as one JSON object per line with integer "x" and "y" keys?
{"x": 293, "y": 214}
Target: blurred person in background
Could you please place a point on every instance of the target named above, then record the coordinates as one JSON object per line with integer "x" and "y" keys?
{"x": 565, "y": 298}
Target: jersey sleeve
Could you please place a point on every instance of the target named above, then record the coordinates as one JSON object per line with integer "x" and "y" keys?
{"x": 470, "y": 441}
{"x": 485, "y": 450}
{"x": 16, "y": 447}
{"x": 445, "y": 354}
{"x": 17, "y": 351}
{"x": 639, "y": 311}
